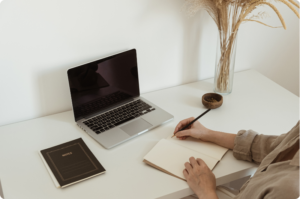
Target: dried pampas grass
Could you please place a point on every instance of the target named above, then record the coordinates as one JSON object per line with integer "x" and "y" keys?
{"x": 228, "y": 16}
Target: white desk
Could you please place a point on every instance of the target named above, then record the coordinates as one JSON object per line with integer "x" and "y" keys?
{"x": 256, "y": 102}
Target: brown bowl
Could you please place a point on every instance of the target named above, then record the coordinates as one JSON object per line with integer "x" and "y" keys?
{"x": 212, "y": 100}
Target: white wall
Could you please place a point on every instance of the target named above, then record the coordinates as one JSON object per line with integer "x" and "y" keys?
{"x": 40, "y": 39}
{"x": 272, "y": 52}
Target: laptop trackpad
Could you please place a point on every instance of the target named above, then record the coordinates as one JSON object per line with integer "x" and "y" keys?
{"x": 136, "y": 127}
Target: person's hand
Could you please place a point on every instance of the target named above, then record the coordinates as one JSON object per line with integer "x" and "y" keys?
{"x": 200, "y": 179}
{"x": 196, "y": 130}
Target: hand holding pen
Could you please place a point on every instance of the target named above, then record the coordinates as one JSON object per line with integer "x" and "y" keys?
{"x": 191, "y": 127}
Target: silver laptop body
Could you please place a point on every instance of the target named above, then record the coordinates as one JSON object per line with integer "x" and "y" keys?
{"x": 107, "y": 103}
{"x": 1, "y": 192}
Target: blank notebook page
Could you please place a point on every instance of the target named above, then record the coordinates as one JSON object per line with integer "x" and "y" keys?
{"x": 207, "y": 148}
{"x": 171, "y": 157}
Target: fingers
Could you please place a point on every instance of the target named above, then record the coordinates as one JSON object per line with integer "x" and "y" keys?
{"x": 201, "y": 162}
{"x": 185, "y": 173}
{"x": 183, "y": 123}
{"x": 188, "y": 167}
{"x": 184, "y": 133}
{"x": 183, "y": 138}
{"x": 193, "y": 162}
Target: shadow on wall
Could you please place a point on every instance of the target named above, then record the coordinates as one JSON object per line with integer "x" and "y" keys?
{"x": 191, "y": 51}
{"x": 200, "y": 37}
{"x": 51, "y": 82}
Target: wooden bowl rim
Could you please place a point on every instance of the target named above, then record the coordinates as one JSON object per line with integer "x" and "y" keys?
{"x": 213, "y": 94}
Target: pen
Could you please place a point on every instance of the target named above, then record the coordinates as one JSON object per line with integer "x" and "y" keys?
{"x": 192, "y": 121}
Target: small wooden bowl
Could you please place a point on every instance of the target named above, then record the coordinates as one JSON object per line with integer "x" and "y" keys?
{"x": 212, "y": 100}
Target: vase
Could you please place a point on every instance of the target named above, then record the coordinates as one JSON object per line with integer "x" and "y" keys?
{"x": 225, "y": 61}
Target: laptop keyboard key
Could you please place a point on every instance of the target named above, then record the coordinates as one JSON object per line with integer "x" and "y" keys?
{"x": 123, "y": 121}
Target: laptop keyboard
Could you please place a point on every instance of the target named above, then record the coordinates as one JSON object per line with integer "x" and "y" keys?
{"x": 118, "y": 116}
{"x": 100, "y": 103}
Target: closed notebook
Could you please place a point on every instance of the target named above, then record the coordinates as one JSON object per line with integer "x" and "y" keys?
{"x": 169, "y": 155}
{"x": 70, "y": 163}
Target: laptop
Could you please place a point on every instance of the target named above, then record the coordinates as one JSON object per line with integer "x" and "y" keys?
{"x": 1, "y": 192}
{"x": 106, "y": 100}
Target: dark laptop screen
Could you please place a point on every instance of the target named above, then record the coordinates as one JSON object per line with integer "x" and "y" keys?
{"x": 101, "y": 84}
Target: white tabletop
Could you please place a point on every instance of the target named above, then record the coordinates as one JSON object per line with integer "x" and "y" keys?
{"x": 256, "y": 103}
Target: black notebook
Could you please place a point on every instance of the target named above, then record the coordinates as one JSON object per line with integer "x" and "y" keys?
{"x": 70, "y": 163}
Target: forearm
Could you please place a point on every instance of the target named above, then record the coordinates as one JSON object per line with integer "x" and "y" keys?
{"x": 210, "y": 195}
{"x": 220, "y": 138}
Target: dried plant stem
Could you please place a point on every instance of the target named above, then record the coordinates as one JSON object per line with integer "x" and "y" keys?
{"x": 228, "y": 16}
{"x": 224, "y": 64}
{"x": 250, "y": 9}
{"x": 294, "y": 3}
{"x": 291, "y": 7}
{"x": 262, "y": 23}
{"x": 227, "y": 41}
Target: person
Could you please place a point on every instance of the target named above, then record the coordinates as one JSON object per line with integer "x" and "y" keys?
{"x": 277, "y": 175}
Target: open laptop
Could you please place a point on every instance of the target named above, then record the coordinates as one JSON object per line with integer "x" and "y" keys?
{"x": 106, "y": 100}
{"x": 1, "y": 192}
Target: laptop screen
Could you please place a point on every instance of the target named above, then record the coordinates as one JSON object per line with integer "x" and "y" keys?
{"x": 101, "y": 84}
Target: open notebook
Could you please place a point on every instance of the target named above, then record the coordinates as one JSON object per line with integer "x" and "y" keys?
{"x": 169, "y": 155}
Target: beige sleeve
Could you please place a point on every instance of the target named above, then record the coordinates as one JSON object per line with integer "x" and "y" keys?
{"x": 250, "y": 146}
